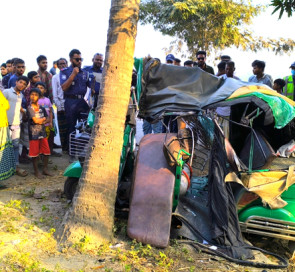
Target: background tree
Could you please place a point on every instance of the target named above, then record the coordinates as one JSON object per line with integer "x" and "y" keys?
{"x": 208, "y": 25}
{"x": 287, "y": 6}
{"x": 92, "y": 212}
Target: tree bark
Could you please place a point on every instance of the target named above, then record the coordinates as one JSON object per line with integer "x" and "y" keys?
{"x": 92, "y": 212}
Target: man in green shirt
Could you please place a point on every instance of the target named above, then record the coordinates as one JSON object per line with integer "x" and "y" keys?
{"x": 201, "y": 57}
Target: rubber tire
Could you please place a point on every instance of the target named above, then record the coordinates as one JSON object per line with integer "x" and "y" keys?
{"x": 70, "y": 187}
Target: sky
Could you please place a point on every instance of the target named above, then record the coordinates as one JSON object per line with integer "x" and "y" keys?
{"x": 54, "y": 27}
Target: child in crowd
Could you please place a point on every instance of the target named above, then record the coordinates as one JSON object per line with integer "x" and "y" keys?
{"x": 46, "y": 104}
{"x": 38, "y": 142}
{"x": 278, "y": 85}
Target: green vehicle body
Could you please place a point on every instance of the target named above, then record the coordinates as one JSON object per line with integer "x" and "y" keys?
{"x": 259, "y": 219}
{"x": 257, "y": 208}
{"x": 74, "y": 170}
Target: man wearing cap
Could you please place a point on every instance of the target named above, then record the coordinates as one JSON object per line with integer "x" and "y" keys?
{"x": 170, "y": 59}
{"x": 289, "y": 87}
{"x": 74, "y": 82}
{"x": 201, "y": 57}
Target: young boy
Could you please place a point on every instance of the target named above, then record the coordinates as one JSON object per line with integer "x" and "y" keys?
{"x": 278, "y": 85}
{"x": 14, "y": 114}
{"x": 38, "y": 142}
{"x": 46, "y": 104}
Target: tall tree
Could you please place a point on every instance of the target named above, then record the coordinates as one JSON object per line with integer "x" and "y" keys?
{"x": 287, "y": 6}
{"x": 209, "y": 25}
{"x": 92, "y": 212}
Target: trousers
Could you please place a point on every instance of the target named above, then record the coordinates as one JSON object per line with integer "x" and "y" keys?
{"x": 73, "y": 109}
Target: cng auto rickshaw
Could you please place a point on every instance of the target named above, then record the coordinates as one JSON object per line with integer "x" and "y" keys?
{"x": 213, "y": 187}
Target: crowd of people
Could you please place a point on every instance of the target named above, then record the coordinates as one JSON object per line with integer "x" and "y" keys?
{"x": 226, "y": 69}
{"x": 27, "y": 116}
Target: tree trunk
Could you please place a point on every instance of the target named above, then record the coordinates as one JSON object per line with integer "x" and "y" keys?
{"x": 92, "y": 212}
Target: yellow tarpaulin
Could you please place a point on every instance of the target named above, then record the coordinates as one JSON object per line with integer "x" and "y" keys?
{"x": 268, "y": 185}
{"x": 254, "y": 88}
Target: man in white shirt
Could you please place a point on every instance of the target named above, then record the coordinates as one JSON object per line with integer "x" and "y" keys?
{"x": 224, "y": 112}
{"x": 58, "y": 98}
{"x": 14, "y": 115}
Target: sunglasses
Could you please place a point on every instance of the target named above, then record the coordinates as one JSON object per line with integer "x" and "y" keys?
{"x": 78, "y": 59}
{"x": 200, "y": 58}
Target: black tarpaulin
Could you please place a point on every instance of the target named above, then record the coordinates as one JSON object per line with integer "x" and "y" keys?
{"x": 175, "y": 88}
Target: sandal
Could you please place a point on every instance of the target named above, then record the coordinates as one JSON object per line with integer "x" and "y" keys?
{"x": 21, "y": 172}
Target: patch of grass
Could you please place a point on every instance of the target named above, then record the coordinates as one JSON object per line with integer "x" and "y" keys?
{"x": 81, "y": 245}
{"x": 19, "y": 205}
{"x": 47, "y": 242}
{"x": 29, "y": 193}
{"x": 9, "y": 227}
{"x": 103, "y": 248}
{"x": 164, "y": 261}
{"x": 20, "y": 261}
{"x": 45, "y": 208}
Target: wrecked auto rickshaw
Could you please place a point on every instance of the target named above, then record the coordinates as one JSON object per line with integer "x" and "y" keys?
{"x": 197, "y": 184}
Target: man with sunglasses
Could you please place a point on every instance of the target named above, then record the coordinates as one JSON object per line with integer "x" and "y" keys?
{"x": 201, "y": 57}
{"x": 74, "y": 82}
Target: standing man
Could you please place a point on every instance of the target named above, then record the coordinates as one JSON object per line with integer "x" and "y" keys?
{"x": 53, "y": 68}
{"x": 225, "y": 58}
{"x": 290, "y": 82}
{"x": 95, "y": 76}
{"x": 170, "y": 59}
{"x": 6, "y": 78}
{"x": 221, "y": 68}
{"x": 44, "y": 75}
{"x": 201, "y": 57}
{"x": 188, "y": 63}
{"x": 177, "y": 62}
{"x": 258, "y": 74}
{"x": 58, "y": 98}
{"x": 3, "y": 70}
{"x": 74, "y": 82}
{"x": 229, "y": 70}
{"x": 224, "y": 112}
{"x": 19, "y": 66}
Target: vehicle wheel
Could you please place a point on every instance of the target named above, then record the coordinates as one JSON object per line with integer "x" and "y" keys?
{"x": 70, "y": 187}
{"x": 291, "y": 245}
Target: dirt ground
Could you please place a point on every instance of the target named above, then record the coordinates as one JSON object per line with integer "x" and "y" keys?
{"x": 32, "y": 209}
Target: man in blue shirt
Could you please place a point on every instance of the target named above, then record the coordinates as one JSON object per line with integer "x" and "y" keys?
{"x": 95, "y": 76}
{"x": 74, "y": 82}
{"x": 6, "y": 78}
{"x": 20, "y": 68}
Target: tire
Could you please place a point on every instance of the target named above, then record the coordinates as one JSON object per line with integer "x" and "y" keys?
{"x": 70, "y": 187}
